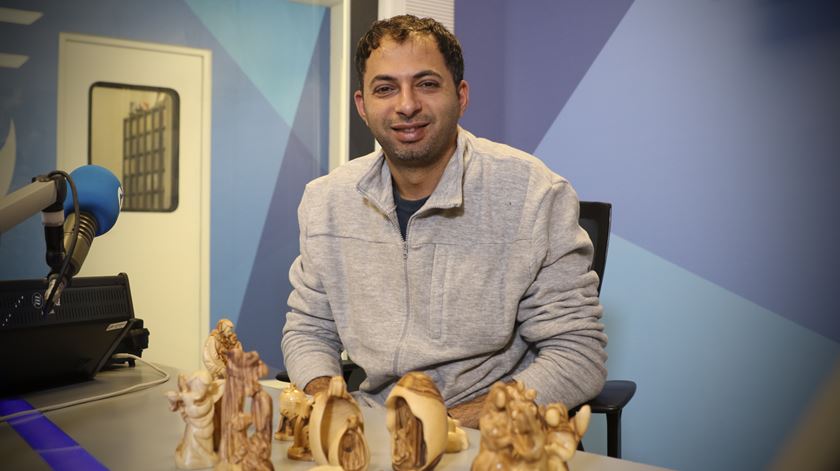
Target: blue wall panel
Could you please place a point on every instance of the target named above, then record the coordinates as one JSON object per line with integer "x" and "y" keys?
{"x": 272, "y": 42}
{"x": 712, "y": 367}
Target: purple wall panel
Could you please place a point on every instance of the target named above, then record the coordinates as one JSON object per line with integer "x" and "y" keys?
{"x": 524, "y": 60}
{"x": 481, "y": 29}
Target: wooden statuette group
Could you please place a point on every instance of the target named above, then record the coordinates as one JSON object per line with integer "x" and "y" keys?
{"x": 212, "y": 404}
{"x": 516, "y": 434}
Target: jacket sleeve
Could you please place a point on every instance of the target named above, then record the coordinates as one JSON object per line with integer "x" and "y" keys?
{"x": 560, "y": 312}
{"x": 310, "y": 342}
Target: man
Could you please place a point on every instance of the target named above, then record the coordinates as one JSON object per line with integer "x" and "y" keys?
{"x": 441, "y": 253}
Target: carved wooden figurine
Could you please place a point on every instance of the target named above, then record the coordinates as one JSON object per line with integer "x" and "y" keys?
{"x": 292, "y": 403}
{"x": 495, "y": 452}
{"x": 352, "y": 451}
{"x": 563, "y": 435}
{"x": 221, "y": 340}
{"x": 262, "y": 414}
{"x": 195, "y": 399}
{"x": 214, "y": 356}
{"x": 416, "y": 419}
{"x": 336, "y": 429}
{"x": 456, "y": 437}
{"x": 300, "y": 449}
{"x": 527, "y": 432}
{"x": 516, "y": 434}
{"x": 237, "y": 450}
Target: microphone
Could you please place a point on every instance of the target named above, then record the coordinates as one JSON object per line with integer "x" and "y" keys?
{"x": 99, "y": 200}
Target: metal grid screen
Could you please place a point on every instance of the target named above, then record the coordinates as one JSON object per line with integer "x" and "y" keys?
{"x": 144, "y": 150}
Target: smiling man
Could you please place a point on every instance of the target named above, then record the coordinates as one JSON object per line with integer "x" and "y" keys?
{"x": 442, "y": 253}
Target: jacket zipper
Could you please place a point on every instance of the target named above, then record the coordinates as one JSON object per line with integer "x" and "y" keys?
{"x": 400, "y": 344}
{"x": 396, "y": 225}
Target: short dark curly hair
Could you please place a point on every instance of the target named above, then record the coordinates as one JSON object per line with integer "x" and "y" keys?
{"x": 399, "y": 28}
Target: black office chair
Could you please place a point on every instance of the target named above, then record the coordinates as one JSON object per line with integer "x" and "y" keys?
{"x": 595, "y": 220}
{"x": 353, "y": 375}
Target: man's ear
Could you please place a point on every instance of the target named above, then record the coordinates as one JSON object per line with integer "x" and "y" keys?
{"x": 463, "y": 95}
{"x": 359, "y": 99}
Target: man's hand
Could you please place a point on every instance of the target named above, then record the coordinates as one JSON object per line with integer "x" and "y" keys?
{"x": 468, "y": 412}
{"x": 321, "y": 383}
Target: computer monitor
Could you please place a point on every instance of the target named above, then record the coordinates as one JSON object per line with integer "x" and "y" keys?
{"x": 70, "y": 344}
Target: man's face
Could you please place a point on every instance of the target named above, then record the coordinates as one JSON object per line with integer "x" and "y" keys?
{"x": 410, "y": 101}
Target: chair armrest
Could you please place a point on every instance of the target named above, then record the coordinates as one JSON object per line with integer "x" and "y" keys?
{"x": 615, "y": 395}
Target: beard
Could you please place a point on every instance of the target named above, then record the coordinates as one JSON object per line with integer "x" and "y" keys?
{"x": 417, "y": 155}
{"x": 440, "y": 137}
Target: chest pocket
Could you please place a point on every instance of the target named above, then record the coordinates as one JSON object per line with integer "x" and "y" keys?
{"x": 474, "y": 294}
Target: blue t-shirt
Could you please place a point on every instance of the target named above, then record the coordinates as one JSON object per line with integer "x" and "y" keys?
{"x": 405, "y": 208}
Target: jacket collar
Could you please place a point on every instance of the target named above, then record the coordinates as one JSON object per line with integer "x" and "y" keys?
{"x": 376, "y": 183}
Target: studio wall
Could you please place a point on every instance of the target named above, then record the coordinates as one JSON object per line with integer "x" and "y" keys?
{"x": 712, "y": 129}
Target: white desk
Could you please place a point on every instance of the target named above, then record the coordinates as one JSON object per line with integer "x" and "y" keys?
{"x": 138, "y": 432}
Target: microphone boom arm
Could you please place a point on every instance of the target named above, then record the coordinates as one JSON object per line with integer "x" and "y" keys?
{"x": 28, "y": 201}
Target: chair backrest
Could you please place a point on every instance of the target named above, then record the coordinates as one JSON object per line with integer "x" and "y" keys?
{"x": 595, "y": 220}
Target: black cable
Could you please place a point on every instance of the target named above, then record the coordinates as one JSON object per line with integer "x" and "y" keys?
{"x": 49, "y": 302}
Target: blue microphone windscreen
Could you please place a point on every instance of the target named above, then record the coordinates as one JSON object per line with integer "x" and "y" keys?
{"x": 100, "y": 195}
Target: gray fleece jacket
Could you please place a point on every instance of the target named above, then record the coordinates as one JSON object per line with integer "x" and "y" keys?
{"x": 493, "y": 281}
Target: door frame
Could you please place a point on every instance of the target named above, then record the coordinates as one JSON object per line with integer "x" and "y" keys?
{"x": 205, "y": 56}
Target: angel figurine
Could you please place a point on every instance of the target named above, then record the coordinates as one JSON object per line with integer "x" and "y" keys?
{"x": 195, "y": 400}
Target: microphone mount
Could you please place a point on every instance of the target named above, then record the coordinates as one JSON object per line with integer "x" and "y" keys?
{"x": 45, "y": 194}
